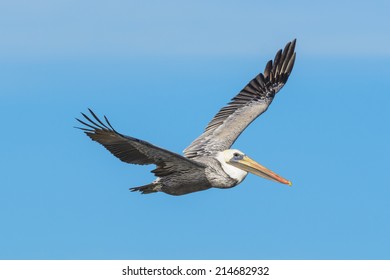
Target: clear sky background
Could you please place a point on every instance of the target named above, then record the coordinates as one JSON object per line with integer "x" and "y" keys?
{"x": 160, "y": 70}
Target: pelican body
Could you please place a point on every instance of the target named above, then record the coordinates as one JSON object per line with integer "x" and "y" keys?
{"x": 209, "y": 161}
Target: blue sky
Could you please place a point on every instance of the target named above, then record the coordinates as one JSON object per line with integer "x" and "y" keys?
{"x": 160, "y": 70}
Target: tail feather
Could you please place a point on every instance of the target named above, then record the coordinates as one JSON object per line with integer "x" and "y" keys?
{"x": 150, "y": 188}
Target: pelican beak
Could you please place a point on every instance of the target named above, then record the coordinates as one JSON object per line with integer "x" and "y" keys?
{"x": 248, "y": 164}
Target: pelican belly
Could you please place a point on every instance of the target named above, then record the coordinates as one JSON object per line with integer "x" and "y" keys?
{"x": 184, "y": 183}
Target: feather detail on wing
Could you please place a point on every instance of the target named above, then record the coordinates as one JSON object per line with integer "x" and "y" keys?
{"x": 132, "y": 150}
{"x": 245, "y": 107}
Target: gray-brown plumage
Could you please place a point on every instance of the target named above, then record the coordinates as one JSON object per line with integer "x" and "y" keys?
{"x": 208, "y": 161}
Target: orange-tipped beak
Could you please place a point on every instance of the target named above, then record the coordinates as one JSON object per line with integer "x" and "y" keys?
{"x": 248, "y": 164}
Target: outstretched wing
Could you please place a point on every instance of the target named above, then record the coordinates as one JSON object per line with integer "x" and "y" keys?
{"x": 132, "y": 150}
{"x": 245, "y": 107}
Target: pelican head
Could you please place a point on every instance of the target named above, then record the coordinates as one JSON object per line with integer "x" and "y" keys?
{"x": 237, "y": 165}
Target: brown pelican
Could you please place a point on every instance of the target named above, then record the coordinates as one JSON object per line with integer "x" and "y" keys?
{"x": 208, "y": 161}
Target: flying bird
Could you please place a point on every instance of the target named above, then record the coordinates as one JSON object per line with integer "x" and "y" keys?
{"x": 208, "y": 162}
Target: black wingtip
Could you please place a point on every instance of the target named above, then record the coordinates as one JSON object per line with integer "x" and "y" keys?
{"x": 294, "y": 41}
{"x": 282, "y": 63}
{"x": 290, "y": 58}
{"x": 94, "y": 124}
{"x": 291, "y": 44}
{"x": 267, "y": 69}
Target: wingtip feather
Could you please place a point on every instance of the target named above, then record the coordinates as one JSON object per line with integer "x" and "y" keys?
{"x": 267, "y": 69}
{"x": 96, "y": 124}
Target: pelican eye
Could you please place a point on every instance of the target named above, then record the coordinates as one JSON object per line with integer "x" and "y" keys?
{"x": 237, "y": 156}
